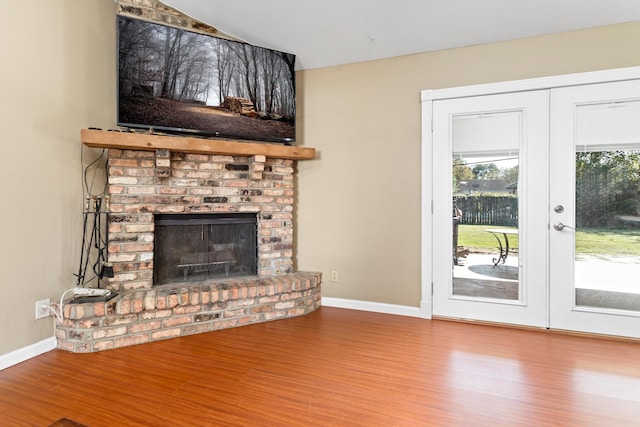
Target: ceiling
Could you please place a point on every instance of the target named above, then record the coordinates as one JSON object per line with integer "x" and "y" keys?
{"x": 334, "y": 32}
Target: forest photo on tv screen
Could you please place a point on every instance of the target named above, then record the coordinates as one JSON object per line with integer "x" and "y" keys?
{"x": 177, "y": 81}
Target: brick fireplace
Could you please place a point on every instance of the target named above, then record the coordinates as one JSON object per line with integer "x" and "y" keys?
{"x": 146, "y": 183}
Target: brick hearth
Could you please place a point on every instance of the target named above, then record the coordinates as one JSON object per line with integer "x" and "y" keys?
{"x": 146, "y": 315}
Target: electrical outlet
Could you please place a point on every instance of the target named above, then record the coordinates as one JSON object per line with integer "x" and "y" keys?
{"x": 43, "y": 308}
{"x": 334, "y": 275}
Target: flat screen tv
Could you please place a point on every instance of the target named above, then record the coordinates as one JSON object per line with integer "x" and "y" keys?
{"x": 172, "y": 80}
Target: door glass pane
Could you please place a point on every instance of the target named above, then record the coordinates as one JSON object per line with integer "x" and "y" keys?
{"x": 607, "y": 238}
{"x": 485, "y": 206}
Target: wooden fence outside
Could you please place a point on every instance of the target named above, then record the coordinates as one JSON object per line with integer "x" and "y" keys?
{"x": 488, "y": 210}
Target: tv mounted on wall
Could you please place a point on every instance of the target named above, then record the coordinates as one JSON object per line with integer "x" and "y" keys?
{"x": 172, "y": 80}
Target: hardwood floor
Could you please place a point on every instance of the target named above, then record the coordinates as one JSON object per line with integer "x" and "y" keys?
{"x": 335, "y": 367}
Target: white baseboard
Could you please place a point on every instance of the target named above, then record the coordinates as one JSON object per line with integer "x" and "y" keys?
{"x": 26, "y": 353}
{"x": 377, "y": 307}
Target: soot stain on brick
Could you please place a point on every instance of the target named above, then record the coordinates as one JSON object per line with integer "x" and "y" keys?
{"x": 215, "y": 200}
{"x": 231, "y": 167}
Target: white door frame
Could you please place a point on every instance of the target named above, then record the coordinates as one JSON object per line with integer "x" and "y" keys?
{"x": 427, "y": 179}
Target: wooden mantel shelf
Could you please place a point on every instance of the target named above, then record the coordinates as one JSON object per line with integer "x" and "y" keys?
{"x": 186, "y": 144}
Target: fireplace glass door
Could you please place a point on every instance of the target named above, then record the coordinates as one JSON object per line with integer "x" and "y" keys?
{"x": 198, "y": 247}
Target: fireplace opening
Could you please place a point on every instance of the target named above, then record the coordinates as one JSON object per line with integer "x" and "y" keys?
{"x": 197, "y": 247}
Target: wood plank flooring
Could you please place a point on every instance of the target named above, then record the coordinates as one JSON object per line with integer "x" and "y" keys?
{"x": 335, "y": 367}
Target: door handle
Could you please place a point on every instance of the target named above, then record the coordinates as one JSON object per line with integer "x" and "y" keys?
{"x": 560, "y": 226}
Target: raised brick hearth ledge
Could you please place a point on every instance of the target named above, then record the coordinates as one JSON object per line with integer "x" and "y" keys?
{"x": 147, "y": 315}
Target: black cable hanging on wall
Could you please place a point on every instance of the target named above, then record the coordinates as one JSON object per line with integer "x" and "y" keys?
{"x": 94, "y": 256}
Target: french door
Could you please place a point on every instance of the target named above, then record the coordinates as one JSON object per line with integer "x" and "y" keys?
{"x": 536, "y": 207}
{"x": 594, "y": 211}
{"x": 497, "y": 269}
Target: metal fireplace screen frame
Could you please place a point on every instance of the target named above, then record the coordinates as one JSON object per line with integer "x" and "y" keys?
{"x": 197, "y": 247}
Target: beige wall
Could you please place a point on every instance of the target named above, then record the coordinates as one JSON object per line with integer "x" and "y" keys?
{"x": 359, "y": 203}
{"x": 58, "y": 76}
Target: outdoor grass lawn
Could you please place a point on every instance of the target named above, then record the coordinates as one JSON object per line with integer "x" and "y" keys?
{"x": 476, "y": 237}
{"x": 599, "y": 241}
{"x": 595, "y": 241}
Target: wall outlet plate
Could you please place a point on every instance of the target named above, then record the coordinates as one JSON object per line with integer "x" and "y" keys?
{"x": 43, "y": 308}
{"x": 334, "y": 275}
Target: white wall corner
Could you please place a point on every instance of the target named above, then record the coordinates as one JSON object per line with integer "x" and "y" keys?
{"x": 17, "y": 356}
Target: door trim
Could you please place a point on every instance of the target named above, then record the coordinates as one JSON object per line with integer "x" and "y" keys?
{"x": 550, "y": 82}
{"x": 427, "y": 179}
